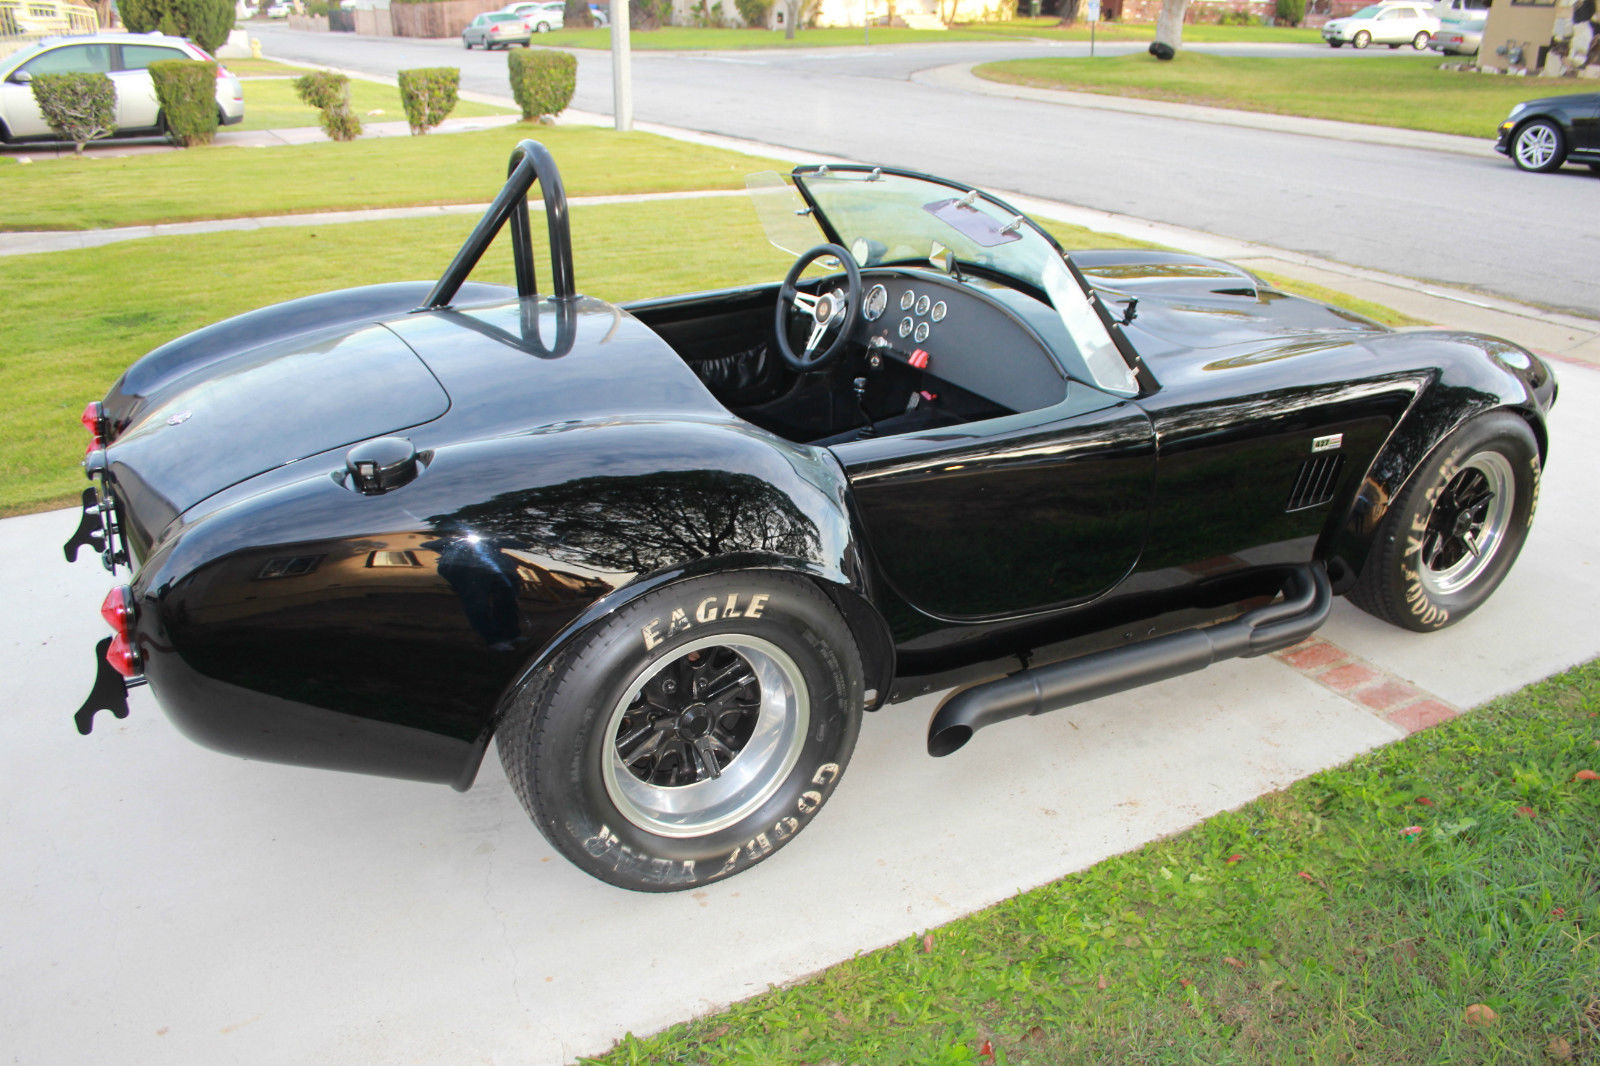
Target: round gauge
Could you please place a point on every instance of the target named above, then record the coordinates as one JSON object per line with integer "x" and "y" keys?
{"x": 922, "y": 305}
{"x": 905, "y": 327}
{"x": 939, "y": 310}
{"x": 907, "y": 298}
{"x": 922, "y": 332}
{"x": 877, "y": 299}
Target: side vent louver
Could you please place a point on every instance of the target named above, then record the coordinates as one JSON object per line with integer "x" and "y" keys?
{"x": 1316, "y": 482}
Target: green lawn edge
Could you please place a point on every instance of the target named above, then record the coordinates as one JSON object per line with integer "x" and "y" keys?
{"x": 1403, "y": 92}
{"x": 99, "y": 192}
{"x": 1434, "y": 901}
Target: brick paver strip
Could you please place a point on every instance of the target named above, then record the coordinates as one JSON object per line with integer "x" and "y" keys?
{"x": 1313, "y": 654}
{"x": 1388, "y": 695}
{"x": 1349, "y": 677}
{"x": 1395, "y": 700}
{"x": 1422, "y": 714}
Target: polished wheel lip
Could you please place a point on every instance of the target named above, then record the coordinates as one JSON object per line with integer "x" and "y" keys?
{"x": 755, "y": 773}
{"x": 1489, "y": 471}
{"x": 1536, "y": 146}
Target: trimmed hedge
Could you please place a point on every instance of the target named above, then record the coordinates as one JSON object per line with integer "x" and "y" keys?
{"x": 330, "y": 93}
{"x": 1291, "y": 12}
{"x": 754, "y": 12}
{"x": 428, "y": 94}
{"x": 77, "y": 107}
{"x": 542, "y": 80}
{"x": 205, "y": 22}
{"x": 187, "y": 92}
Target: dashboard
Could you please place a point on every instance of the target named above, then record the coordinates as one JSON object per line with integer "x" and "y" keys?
{"x": 962, "y": 332}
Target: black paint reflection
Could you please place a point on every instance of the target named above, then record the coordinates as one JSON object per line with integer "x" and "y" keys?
{"x": 630, "y": 525}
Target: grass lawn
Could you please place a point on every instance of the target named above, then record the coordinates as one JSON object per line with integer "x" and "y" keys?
{"x": 91, "y": 192}
{"x": 270, "y": 103}
{"x": 1433, "y": 902}
{"x": 1194, "y": 33}
{"x": 1409, "y": 92}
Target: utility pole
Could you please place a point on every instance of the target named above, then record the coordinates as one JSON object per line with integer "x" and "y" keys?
{"x": 621, "y": 67}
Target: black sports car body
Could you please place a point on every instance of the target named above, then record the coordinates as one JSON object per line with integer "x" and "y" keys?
{"x": 668, "y": 553}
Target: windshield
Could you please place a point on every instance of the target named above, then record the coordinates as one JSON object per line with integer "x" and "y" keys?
{"x": 885, "y": 217}
{"x": 1369, "y": 12}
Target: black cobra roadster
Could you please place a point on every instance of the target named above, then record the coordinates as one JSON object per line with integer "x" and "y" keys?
{"x": 668, "y": 553}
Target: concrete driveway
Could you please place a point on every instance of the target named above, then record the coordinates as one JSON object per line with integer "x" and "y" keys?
{"x": 165, "y": 904}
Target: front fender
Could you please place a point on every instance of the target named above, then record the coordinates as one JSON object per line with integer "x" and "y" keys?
{"x": 314, "y": 625}
{"x": 1474, "y": 374}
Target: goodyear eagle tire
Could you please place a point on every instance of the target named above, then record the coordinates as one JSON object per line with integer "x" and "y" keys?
{"x": 1453, "y": 533}
{"x": 691, "y": 733}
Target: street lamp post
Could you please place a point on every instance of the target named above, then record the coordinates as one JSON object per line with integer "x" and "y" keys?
{"x": 621, "y": 67}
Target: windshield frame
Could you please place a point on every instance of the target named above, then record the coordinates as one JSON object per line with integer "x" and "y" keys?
{"x": 1143, "y": 383}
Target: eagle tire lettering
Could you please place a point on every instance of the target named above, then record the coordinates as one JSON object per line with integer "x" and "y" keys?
{"x": 706, "y": 611}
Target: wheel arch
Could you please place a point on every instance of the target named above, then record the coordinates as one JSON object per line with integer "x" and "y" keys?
{"x": 1466, "y": 390}
{"x": 848, "y": 597}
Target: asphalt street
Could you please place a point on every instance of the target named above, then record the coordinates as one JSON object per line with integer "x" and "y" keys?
{"x": 1450, "y": 218}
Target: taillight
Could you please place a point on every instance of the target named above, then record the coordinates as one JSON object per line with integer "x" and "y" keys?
{"x": 94, "y": 421}
{"x": 117, "y": 610}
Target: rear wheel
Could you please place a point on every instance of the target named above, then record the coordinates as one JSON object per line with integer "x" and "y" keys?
{"x": 1420, "y": 41}
{"x": 1451, "y": 536}
{"x": 692, "y": 733}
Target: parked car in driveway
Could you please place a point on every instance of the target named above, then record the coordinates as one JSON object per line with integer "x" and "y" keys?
{"x": 1543, "y": 134}
{"x": 668, "y": 554}
{"x": 1386, "y": 23}
{"x": 125, "y": 57}
{"x": 496, "y": 29}
{"x": 1460, "y": 33}
{"x": 541, "y": 17}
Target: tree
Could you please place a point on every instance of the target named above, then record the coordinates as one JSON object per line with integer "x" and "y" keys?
{"x": 1169, "y": 23}
{"x": 205, "y": 22}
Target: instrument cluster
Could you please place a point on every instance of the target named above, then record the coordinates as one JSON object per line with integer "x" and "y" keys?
{"x": 920, "y": 311}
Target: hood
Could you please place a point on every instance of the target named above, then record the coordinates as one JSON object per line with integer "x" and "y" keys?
{"x": 1190, "y": 302}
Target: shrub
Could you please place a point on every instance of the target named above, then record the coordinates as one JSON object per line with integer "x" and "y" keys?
{"x": 187, "y": 92}
{"x": 77, "y": 107}
{"x": 649, "y": 14}
{"x": 543, "y": 81}
{"x": 1291, "y": 12}
{"x": 205, "y": 22}
{"x": 428, "y": 95}
{"x": 330, "y": 93}
{"x": 754, "y": 12}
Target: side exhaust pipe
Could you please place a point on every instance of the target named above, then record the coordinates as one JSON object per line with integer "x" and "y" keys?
{"x": 1307, "y": 598}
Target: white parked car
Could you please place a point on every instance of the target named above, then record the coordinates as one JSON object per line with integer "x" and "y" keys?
{"x": 125, "y": 57}
{"x": 1388, "y": 23}
{"x": 1460, "y": 33}
{"x": 542, "y": 16}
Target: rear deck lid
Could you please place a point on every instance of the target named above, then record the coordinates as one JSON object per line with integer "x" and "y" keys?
{"x": 233, "y": 418}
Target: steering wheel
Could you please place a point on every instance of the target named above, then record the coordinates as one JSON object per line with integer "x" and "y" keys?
{"x": 827, "y": 311}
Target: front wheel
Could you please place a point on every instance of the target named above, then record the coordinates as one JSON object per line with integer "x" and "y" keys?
{"x": 1361, "y": 39}
{"x": 1335, "y": 44}
{"x": 1539, "y": 146}
{"x": 1451, "y": 536}
{"x": 691, "y": 733}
